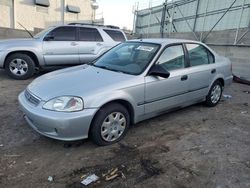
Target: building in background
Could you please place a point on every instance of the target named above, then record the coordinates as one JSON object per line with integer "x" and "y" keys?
{"x": 39, "y": 14}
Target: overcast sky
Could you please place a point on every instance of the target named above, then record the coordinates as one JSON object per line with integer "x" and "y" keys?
{"x": 119, "y": 12}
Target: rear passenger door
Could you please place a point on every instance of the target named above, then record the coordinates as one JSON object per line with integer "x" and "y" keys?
{"x": 91, "y": 44}
{"x": 165, "y": 93}
{"x": 201, "y": 70}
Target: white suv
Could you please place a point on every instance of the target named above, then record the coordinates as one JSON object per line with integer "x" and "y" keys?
{"x": 57, "y": 46}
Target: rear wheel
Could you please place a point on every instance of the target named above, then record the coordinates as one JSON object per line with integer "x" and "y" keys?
{"x": 20, "y": 66}
{"x": 214, "y": 94}
{"x": 110, "y": 124}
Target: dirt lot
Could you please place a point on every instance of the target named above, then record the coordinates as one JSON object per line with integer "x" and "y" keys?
{"x": 193, "y": 147}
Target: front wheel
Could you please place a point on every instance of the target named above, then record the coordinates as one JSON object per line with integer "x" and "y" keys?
{"x": 110, "y": 124}
{"x": 20, "y": 66}
{"x": 214, "y": 94}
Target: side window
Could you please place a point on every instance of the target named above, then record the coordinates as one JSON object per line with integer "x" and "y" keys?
{"x": 90, "y": 34}
{"x": 172, "y": 58}
{"x": 210, "y": 57}
{"x": 115, "y": 35}
{"x": 198, "y": 54}
{"x": 63, "y": 34}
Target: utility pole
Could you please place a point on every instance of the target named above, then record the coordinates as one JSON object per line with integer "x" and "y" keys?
{"x": 62, "y": 11}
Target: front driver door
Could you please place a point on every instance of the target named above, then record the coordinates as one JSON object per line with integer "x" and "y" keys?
{"x": 165, "y": 93}
{"x": 60, "y": 46}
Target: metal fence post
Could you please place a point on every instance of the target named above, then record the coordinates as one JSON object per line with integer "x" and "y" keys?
{"x": 136, "y": 6}
{"x": 237, "y": 31}
{"x": 149, "y": 19}
{"x": 163, "y": 17}
{"x": 196, "y": 12}
{"x": 172, "y": 19}
{"x": 204, "y": 22}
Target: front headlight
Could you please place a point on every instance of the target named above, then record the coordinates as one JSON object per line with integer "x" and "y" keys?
{"x": 64, "y": 104}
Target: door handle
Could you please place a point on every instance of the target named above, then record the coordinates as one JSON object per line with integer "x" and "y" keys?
{"x": 213, "y": 71}
{"x": 184, "y": 77}
{"x": 73, "y": 44}
{"x": 99, "y": 44}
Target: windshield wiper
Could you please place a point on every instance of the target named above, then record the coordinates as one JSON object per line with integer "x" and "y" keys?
{"x": 107, "y": 68}
{"x": 102, "y": 67}
{"x": 91, "y": 63}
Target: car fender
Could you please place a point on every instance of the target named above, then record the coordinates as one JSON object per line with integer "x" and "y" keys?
{"x": 218, "y": 76}
{"x": 36, "y": 51}
{"x": 119, "y": 95}
{"x": 106, "y": 98}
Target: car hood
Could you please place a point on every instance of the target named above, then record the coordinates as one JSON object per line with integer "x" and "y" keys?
{"x": 79, "y": 81}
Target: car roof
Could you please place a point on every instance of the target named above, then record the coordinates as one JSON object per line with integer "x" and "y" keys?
{"x": 167, "y": 41}
{"x": 91, "y": 26}
{"x": 164, "y": 41}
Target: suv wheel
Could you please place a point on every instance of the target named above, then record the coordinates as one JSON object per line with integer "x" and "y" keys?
{"x": 20, "y": 66}
{"x": 214, "y": 94}
{"x": 110, "y": 124}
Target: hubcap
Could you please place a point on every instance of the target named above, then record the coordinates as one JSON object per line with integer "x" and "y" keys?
{"x": 215, "y": 94}
{"x": 113, "y": 126}
{"x": 18, "y": 67}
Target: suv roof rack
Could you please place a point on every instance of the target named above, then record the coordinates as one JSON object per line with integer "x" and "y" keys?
{"x": 98, "y": 25}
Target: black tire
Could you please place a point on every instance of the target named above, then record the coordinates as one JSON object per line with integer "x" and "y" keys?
{"x": 209, "y": 99}
{"x": 29, "y": 62}
{"x": 101, "y": 116}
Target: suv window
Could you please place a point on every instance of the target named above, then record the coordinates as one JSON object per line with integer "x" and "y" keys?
{"x": 115, "y": 35}
{"x": 89, "y": 34}
{"x": 63, "y": 34}
{"x": 172, "y": 58}
{"x": 199, "y": 55}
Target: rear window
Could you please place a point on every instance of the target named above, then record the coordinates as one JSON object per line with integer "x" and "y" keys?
{"x": 210, "y": 57}
{"x": 90, "y": 34}
{"x": 115, "y": 35}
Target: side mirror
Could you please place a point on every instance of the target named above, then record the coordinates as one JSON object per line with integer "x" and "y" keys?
{"x": 49, "y": 38}
{"x": 157, "y": 70}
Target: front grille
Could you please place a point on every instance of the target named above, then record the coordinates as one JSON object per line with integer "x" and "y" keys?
{"x": 31, "y": 98}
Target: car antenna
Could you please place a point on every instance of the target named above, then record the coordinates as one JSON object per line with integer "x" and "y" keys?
{"x": 26, "y": 30}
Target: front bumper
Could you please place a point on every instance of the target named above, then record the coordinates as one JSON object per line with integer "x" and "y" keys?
{"x": 57, "y": 125}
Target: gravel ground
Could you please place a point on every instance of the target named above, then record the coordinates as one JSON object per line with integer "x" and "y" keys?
{"x": 193, "y": 147}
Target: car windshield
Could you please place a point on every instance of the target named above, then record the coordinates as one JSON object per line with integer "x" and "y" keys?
{"x": 129, "y": 57}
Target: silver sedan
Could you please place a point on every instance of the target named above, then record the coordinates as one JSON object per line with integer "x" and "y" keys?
{"x": 134, "y": 81}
